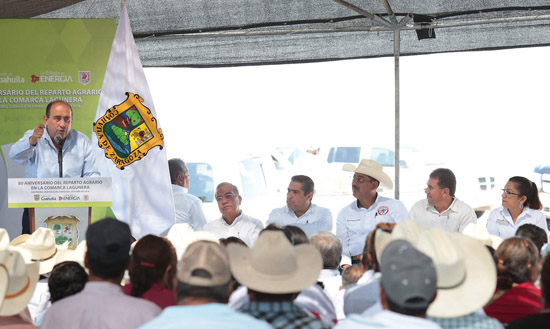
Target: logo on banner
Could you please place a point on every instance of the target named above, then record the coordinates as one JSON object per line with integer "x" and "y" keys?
{"x": 84, "y": 77}
{"x": 126, "y": 132}
{"x": 34, "y": 78}
{"x": 37, "y": 197}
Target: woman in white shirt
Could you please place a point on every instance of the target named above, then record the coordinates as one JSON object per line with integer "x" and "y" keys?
{"x": 520, "y": 205}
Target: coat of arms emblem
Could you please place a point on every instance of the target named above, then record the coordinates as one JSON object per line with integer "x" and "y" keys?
{"x": 126, "y": 132}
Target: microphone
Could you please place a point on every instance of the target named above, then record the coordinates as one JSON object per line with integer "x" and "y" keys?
{"x": 59, "y": 140}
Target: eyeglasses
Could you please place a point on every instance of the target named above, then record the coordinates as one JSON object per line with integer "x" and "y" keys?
{"x": 229, "y": 195}
{"x": 362, "y": 180}
{"x": 510, "y": 193}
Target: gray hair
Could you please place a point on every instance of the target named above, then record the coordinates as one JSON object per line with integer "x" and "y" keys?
{"x": 330, "y": 247}
{"x": 233, "y": 187}
{"x": 351, "y": 275}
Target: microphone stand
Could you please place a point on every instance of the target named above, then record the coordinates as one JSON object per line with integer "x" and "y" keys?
{"x": 60, "y": 160}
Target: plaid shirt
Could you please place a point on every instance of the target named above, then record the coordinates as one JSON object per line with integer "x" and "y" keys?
{"x": 283, "y": 315}
{"x": 470, "y": 321}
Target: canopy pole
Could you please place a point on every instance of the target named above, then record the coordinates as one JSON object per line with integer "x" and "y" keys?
{"x": 396, "y": 52}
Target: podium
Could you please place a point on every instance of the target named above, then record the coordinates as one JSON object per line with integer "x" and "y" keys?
{"x": 62, "y": 204}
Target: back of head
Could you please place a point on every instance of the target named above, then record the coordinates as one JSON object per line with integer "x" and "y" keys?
{"x": 530, "y": 190}
{"x": 330, "y": 247}
{"x": 66, "y": 279}
{"x": 534, "y": 233}
{"x": 369, "y": 260}
{"x": 108, "y": 248}
{"x": 298, "y": 235}
{"x": 282, "y": 228}
{"x": 516, "y": 261}
{"x": 203, "y": 272}
{"x": 408, "y": 278}
{"x": 545, "y": 283}
{"x": 445, "y": 179}
{"x": 351, "y": 275}
{"x": 177, "y": 168}
{"x": 149, "y": 262}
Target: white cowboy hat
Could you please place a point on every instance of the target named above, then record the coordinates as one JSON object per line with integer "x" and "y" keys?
{"x": 274, "y": 265}
{"x": 480, "y": 233}
{"x": 373, "y": 169}
{"x": 17, "y": 282}
{"x": 42, "y": 248}
{"x": 466, "y": 272}
{"x": 182, "y": 235}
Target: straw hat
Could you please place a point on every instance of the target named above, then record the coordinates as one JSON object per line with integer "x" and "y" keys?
{"x": 42, "y": 248}
{"x": 182, "y": 235}
{"x": 373, "y": 169}
{"x": 17, "y": 282}
{"x": 274, "y": 265}
{"x": 480, "y": 233}
{"x": 466, "y": 273}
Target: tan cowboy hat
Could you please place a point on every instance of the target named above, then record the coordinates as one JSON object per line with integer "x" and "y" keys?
{"x": 42, "y": 248}
{"x": 480, "y": 233}
{"x": 373, "y": 169}
{"x": 274, "y": 265}
{"x": 182, "y": 235}
{"x": 17, "y": 282}
{"x": 466, "y": 272}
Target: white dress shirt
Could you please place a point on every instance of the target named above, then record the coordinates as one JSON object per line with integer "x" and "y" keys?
{"x": 500, "y": 221}
{"x": 353, "y": 224}
{"x": 314, "y": 220}
{"x": 453, "y": 219}
{"x": 243, "y": 227}
{"x": 388, "y": 320}
{"x": 101, "y": 305}
{"x": 332, "y": 282}
{"x": 188, "y": 208}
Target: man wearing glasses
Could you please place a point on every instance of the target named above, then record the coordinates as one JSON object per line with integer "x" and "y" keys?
{"x": 358, "y": 219}
{"x": 38, "y": 149}
{"x": 233, "y": 221}
{"x": 441, "y": 207}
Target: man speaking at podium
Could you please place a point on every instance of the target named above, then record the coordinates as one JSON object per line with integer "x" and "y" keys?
{"x": 52, "y": 149}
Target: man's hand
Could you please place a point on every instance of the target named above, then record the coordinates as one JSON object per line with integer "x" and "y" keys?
{"x": 37, "y": 134}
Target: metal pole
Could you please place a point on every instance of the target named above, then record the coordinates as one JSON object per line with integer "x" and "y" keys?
{"x": 396, "y": 52}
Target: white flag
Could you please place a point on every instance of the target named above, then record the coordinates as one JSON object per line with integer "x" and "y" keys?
{"x": 129, "y": 142}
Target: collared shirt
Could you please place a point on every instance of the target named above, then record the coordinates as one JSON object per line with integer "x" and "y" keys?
{"x": 386, "y": 319}
{"x": 453, "y": 219}
{"x": 243, "y": 227}
{"x": 213, "y": 315}
{"x": 188, "y": 208}
{"x": 314, "y": 220}
{"x": 332, "y": 282}
{"x": 283, "y": 315}
{"x": 362, "y": 296}
{"x": 101, "y": 305}
{"x": 470, "y": 321}
{"x": 40, "y": 161}
{"x": 353, "y": 224}
{"x": 500, "y": 221}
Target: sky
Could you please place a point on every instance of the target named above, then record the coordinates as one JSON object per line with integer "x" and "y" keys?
{"x": 480, "y": 110}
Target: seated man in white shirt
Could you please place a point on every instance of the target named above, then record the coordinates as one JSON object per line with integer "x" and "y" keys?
{"x": 233, "y": 221}
{"x": 441, "y": 208}
{"x": 299, "y": 211}
{"x": 408, "y": 287}
{"x": 188, "y": 207}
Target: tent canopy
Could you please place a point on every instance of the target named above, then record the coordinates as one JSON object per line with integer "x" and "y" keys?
{"x": 252, "y": 32}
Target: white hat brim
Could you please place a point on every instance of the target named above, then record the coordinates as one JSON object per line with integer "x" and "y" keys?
{"x": 309, "y": 264}
{"x": 385, "y": 180}
{"x": 14, "y": 305}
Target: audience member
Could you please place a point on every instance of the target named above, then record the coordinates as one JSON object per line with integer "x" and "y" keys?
{"x": 517, "y": 269}
{"x": 66, "y": 279}
{"x": 275, "y": 272}
{"x": 203, "y": 289}
{"x": 298, "y": 235}
{"x": 351, "y": 275}
{"x": 182, "y": 235}
{"x": 408, "y": 287}
{"x": 355, "y": 221}
{"x": 17, "y": 283}
{"x": 299, "y": 210}
{"x": 537, "y": 235}
{"x": 232, "y": 239}
{"x": 520, "y": 205}
{"x": 441, "y": 208}
{"x": 541, "y": 320}
{"x": 233, "y": 221}
{"x": 151, "y": 271}
{"x": 102, "y": 304}
{"x": 188, "y": 207}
